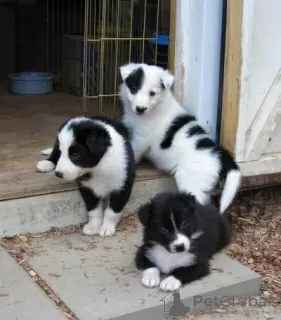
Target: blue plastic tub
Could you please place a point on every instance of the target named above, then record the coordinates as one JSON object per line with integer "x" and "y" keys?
{"x": 160, "y": 39}
{"x": 31, "y": 83}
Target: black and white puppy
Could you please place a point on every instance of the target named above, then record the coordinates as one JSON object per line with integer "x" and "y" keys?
{"x": 97, "y": 154}
{"x": 180, "y": 238}
{"x": 163, "y": 132}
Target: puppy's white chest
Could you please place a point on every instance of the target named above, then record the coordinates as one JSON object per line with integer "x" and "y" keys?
{"x": 166, "y": 262}
{"x": 102, "y": 185}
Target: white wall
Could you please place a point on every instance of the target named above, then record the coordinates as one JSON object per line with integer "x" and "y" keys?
{"x": 197, "y": 58}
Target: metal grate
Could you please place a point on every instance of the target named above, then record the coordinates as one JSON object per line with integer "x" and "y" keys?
{"x": 117, "y": 32}
{"x": 85, "y": 41}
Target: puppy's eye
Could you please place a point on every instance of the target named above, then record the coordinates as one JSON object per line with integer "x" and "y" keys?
{"x": 75, "y": 156}
{"x": 183, "y": 225}
{"x": 152, "y": 93}
{"x": 164, "y": 231}
{"x": 133, "y": 88}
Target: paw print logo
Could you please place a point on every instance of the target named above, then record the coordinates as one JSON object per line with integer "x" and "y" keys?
{"x": 242, "y": 301}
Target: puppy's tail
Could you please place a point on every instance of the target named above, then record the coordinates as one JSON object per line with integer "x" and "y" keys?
{"x": 232, "y": 181}
{"x": 46, "y": 152}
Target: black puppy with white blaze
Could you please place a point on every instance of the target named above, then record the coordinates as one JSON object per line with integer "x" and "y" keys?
{"x": 97, "y": 154}
{"x": 180, "y": 238}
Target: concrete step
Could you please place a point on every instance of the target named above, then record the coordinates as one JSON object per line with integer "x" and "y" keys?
{"x": 39, "y": 210}
{"x": 40, "y": 213}
{"x": 96, "y": 277}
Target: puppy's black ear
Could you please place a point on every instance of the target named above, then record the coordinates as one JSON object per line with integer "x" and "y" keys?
{"x": 144, "y": 213}
{"x": 188, "y": 201}
{"x": 98, "y": 141}
{"x": 167, "y": 79}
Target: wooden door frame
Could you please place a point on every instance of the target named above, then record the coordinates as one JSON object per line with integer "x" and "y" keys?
{"x": 232, "y": 74}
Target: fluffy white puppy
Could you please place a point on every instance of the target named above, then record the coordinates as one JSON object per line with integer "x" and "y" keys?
{"x": 163, "y": 132}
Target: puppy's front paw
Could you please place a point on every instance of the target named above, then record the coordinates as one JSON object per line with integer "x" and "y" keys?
{"x": 170, "y": 284}
{"x": 45, "y": 166}
{"x": 151, "y": 278}
{"x": 46, "y": 152}
{"x": 107, "y": 229}
{"x": 91, "y": 228}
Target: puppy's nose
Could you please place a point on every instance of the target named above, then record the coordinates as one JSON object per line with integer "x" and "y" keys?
{"x": 140, "y": 110}
{"x": 179, "y": 247}
{"x": 59, "y": 174}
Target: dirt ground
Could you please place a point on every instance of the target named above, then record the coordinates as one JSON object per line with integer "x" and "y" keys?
{"x": 256, "y": 239}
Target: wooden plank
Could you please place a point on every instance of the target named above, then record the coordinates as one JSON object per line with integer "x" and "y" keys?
{"x": 232, "y": 73}
{"x": 255, "y": 182}
{"x": 266, "y": 122}
{"x": 19, "y": 184}
{"x": 260, "y": 167}
{"x": 261, "y": 181}
{"x": 36, "y": 120}
{"x": 172, "y": 34}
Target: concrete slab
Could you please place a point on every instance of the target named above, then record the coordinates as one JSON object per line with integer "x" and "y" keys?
{"x": 246, "y": 314}
{"x": 20, "y": 298}
{"x": 97, "y": 279}
{"x": 41, "y": 213}
{"x": 255, "y": 307}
